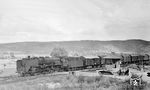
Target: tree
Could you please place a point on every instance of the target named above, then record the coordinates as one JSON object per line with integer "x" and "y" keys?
{"x": 59, "y": 52}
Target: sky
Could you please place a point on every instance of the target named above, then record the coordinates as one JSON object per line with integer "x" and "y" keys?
{"x": 63, "y": 20}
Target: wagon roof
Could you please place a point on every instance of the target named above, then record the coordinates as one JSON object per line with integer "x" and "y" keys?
{"x": 91, "y": 56}
{"x": 72, "y": 58}
{"x": 145, "y": 54}
{"x": 112, "y": 56}
{"x": 51, "y": 58}
{"x": 125, "y": 54}
{"x": 135, "y": 54}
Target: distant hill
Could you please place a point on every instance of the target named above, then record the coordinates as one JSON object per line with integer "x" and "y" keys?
{"x": 84, "y": 47}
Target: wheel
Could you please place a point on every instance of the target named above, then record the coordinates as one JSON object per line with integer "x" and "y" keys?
{"x": 21, "y": 74}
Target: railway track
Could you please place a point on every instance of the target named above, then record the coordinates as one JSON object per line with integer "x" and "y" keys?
{"x": 16, "y": 78}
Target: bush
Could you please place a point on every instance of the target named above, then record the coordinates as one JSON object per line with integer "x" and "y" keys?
{"x": 98, "y": 78}
{"x": 90, "y": 80}
{"x": 81, "y": 79}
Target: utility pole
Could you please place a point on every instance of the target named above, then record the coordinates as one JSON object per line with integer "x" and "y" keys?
{"x": 4, "y": 66}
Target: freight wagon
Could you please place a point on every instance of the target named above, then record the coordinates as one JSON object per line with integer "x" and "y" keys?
{"x": 92, "y": 61}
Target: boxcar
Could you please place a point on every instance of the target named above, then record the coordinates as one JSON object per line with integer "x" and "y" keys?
{"x": 92, "y": 61}
{"x": 88, "y": 61}
{"x": 146, "y": 57}
{"x": 140, "y": 58}
{"x": 134, "y": 58}
{"x": 126, "y": 58}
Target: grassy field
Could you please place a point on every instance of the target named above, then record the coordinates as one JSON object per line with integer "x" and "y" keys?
{"x": 68, "y": 82}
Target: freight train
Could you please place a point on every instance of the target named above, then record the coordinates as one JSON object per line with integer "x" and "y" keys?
{"x": 135, "y": 59}
{"x": 42, "y": 65}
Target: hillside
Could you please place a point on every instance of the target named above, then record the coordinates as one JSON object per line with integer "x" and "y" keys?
{"x": 85, "y": 47}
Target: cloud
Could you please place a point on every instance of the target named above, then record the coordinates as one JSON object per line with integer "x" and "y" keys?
{"x": 50, "y": 20}
{"x": 129, "y": 30}
{"x": 128, "y": 19}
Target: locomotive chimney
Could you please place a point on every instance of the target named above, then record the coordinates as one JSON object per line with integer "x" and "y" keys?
{"x": 29, "y": 57}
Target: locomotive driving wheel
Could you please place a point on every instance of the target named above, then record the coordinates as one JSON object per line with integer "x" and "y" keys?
{"x": 22, "y": 74}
